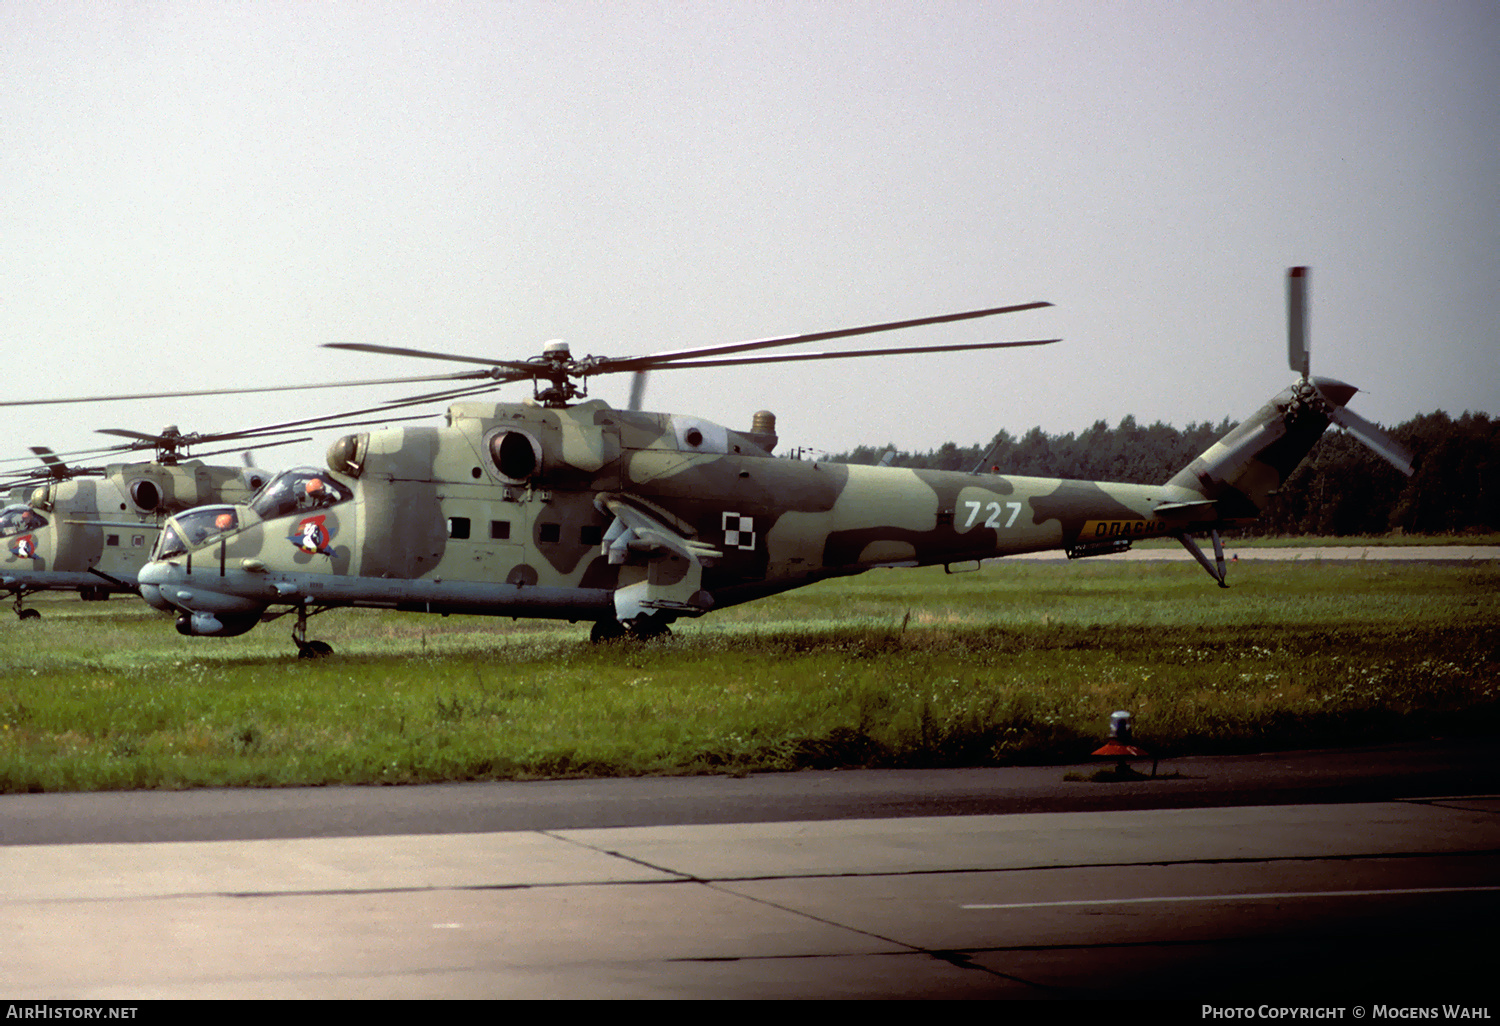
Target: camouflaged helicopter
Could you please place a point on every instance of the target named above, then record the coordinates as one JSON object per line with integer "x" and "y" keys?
{"x": 90, "y": 529}
{"x": 569, "y": 509}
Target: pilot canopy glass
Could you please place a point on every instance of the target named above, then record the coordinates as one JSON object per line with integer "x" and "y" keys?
{"x": 297, "y": 491}
{"x": 194, "y": 528}
{"x": 19, "y": 520}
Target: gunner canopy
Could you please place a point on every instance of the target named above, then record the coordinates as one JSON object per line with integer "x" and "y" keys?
{"x": 296, "y": 491}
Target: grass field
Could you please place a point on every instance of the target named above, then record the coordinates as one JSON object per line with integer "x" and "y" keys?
{"x": 1013, "y": 663}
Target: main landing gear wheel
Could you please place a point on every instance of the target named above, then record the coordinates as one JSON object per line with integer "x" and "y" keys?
{"x": 643, "y": 629}
{"x": 606, "y": 630}
{"x": 650, "y": 630}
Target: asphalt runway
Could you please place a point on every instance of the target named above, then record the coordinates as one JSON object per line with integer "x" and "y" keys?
{"x": 1347, "y": 878}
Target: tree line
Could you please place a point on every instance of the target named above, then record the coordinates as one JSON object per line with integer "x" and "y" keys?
{"x": 1340, "y": 489}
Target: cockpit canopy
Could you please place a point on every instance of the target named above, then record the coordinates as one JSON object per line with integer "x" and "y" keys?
{"x": 193, "y": 528}
{"x": 298, "y": 490}
{"x": 19, "y": 519}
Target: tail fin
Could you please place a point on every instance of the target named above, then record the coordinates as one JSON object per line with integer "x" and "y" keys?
{"x": 1240, "y": 472}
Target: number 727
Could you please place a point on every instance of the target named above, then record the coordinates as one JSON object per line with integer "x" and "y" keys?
{"x": 993, "y": 520}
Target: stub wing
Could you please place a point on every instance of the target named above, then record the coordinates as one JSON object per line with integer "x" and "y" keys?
{"x": 671, "y": 583}
{"x": 637, "y": 534}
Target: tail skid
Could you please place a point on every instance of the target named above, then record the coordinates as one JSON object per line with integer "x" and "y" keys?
{"x": 1216, "y": 569}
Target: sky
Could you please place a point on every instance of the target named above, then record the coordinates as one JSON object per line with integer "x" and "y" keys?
{"x": 202, "y": 195}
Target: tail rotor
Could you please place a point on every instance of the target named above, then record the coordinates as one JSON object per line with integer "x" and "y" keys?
{"x": 1328, "y": 395}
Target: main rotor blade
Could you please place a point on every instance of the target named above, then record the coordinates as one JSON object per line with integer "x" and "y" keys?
{"x": 178, "y": 441}
{"x": 50, "y": 473}
{"x": 459, "y": 376}
{"x": 846, "y": 355}
{"x": 71, "y": 452}
{"x": 139, "y": 435}
{"x": 459, "y": 393}
{"x": 47, "y": 456}
{"x": 608, "y": 365}
{"x": 338, "y": 418}
{"x": 359, "y": 347}
{"x": 52, "y": 466}
{"x": 259, "y": 445}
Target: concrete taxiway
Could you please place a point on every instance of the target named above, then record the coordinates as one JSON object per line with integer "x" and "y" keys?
{"x": 1355, "y": 901}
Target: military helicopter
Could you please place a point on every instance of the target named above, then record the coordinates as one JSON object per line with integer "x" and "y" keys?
{"x": 90, "y": 529}
{"x": 570, "y": 509}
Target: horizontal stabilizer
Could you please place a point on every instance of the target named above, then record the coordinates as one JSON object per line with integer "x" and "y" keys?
{"x": 1185, "y": 510}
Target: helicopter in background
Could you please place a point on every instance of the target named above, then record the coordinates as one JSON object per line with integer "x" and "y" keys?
{"x": 630, "y": 520}
{"x": 91, "y": 529}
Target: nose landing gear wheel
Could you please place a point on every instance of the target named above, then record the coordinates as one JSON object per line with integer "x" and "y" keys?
{"x": 308, "y": 649}
{"x": 312, "y": 649}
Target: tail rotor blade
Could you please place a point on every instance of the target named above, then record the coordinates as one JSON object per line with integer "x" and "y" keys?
{"x": 1296, "y": 320}
{"x": 1382, "y": 444}
{"x": 1333, "y": 393}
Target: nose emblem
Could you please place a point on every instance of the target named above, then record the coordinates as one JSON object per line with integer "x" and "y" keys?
{"x": 312, "y": 535}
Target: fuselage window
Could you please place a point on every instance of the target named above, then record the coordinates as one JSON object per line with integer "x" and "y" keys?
{"x": 458, "y": 527}
{"x": 499, "y": 529}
